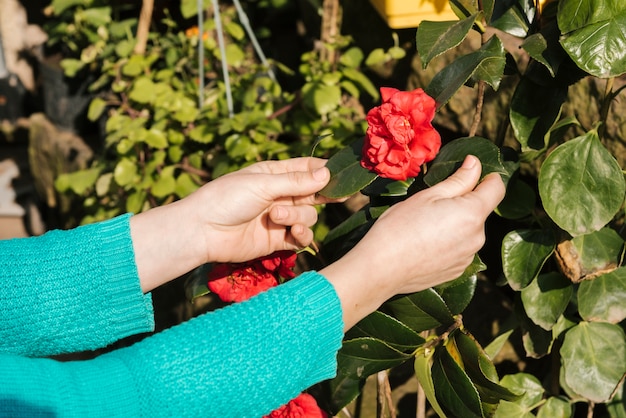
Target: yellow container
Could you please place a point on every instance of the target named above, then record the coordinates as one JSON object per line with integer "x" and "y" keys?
{"x": 401, "y": 14}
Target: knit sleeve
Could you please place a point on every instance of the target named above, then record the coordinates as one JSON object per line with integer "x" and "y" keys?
{"x": 68, "y": 291}
{"x": 241, "y": 361}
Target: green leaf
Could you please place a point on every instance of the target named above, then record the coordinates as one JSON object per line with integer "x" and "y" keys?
{"x": 488, "y": 61}
{"x": 156, "y": 139}
{"x": 556, "y": 407}
{"x": 362, "y": 357}
{"x": 581, "y": 185}
{"x": 165, "y": 184}
{"x": 142, "y": 91}
{"x": 496, "y": 345}
{"x": 125, "y": 172}
{"x": 594, "y": 359}
{"x": 388, "y": 187}
{"x": 532, "y": 394}
{"x": 352, "y": 57}
{"x": 185, "y": 185}
{"x": 512, "y": 17}
{"x": 362, "y": 81}
{"x": 481, "y": 370}
{"x": 78, "y": 181}
{"x": 423, "y": 373}
{"x": 519, "y": 200}
{"x": 587, "y": 256}
{"x": 594, "y": 35}
{"x": 135, "y": 201}
{"x": 422, "y": 310}
{"x": 458, "y": 293}
{"x": 604, "y": 297}
{"x": 342, "y": 391}
{"x": 546, "y": 298}
{"x": 359, "y": 218}
{"x": 347, "y": 176}
{"x": 435, "y": 38}
{"x": 387, "y": 329}
{"x": 540, "y": 47}
{"x": 451, "y": 157}
{"x": 454, "y": 390}
{"x": 617, "y": 406}
{"x": 96, "y": 108}
{"x": 71, "y": 66}
{"x": 534, "y": 110}
{"x": 322, "y": 98}
{"x": 524, "y": 252}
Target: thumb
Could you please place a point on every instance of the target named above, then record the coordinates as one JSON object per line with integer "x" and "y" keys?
{"x": 462, "y": 181}
{"x": 296, "y": 183}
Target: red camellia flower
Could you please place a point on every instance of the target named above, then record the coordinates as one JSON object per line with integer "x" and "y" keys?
{"x": 236, "y": 282}
{"x": 400, "y": 136}
{"x": 304, "y": 406}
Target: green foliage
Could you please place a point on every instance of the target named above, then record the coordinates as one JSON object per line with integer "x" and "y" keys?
{"x": 563, "y": 252}
{"x": 161, "y": 144}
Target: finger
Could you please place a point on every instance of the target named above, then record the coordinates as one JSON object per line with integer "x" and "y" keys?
{"x": 291, "y": 215}
{"x": 463, "y": 181}
{"x": 490, "y": 192}
{"x": 295, "y": 183}
{"x": 286, "y": 166}
{"x": 302, "y": 236}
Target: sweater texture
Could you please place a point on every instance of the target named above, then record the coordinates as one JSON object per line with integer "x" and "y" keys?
{"x": 69, "y": 291}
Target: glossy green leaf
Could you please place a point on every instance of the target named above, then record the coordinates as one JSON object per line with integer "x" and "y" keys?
{"x": 322, "y": 98}
{"x": 496, "y": 345}
{"x": 423, "y": 373}
{"x": 196, "y": 282}
{"x": 543, "y": 47}
{"x": 347, "y": 174}
{"x": 358, "y": 219}
{"x": 455, "y": 392}
{"x": 481, "y": 370}
{"x": 546, "y": 298}
{"x": 387, "y": 187}
{"x": 519, "y": 201}
{"x": 435, "y": 38}
{"x": 556, "y": 407}
{"x": 581, "y": 185}
{"x": 596, "y": 253}
{"x": 342, "y": 390}
{"x": 488, "y": 62}
{"x": 513, "y": 17}
{"x": 458, "y": 293}
{"x": 422, "y": 310}
{"x": 532, "y": 394}
{"x": 387, "y": 329}
{"x": 364, "y": 356}
{"x": 594, "y": 359}
{"x": 536, "y": 341}
{"x": 524, "y": 253}
{"x": 534, "y": 110}
{"x": 604, "y": 297}
{"x": 594, "y": 35}
{"x": 451, "y": 157}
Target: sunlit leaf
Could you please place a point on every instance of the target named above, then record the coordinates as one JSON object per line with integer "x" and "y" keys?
{"x": 455, "y": 392}
{"x": 422, "y": 310}
{"x": 524, "y": 253}
{"x": 347, "y": 174}
{"x": 364, "y": 356}
{"x": 581, "y": 185}
{"x": 594, "y": 359}
{"x": 556, "y": 407}
{"x": 322, "y": 98}
{"x": 604, "y": 297}
{"x": 594, "y": 35}
{"x": 423, "y": 373}
{"x": 125, "y": 172}
{"x": 522, "y": 407}
{"x": 387, "y": 329}
{"x": 452, "y": 155}
{"x": 435, "y": 38}
{"x": 546, "y": 298}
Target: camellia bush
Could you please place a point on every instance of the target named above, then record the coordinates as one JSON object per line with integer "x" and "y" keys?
{"x": 562, "y": 252}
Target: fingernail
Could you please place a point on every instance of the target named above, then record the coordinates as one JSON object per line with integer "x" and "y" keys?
{"x": 320, "y": 174}
{"x": 469, "y": 162}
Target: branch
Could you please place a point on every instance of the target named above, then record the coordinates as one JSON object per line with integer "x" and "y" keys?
{"x": 143, "y": 27}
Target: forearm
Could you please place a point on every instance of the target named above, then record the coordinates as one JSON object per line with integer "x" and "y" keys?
{"x": 70, "y": 291}
{"x": 167, "y": 243}
{"x": 241, "y": 361}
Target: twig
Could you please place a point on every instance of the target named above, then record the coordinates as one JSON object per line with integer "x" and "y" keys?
{"x": 143, "y": 27}
{"x": 479, "y": 108}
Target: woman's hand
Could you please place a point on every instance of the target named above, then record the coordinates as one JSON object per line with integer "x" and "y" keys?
{"x": 243, "y": 215}
{"x": 426, "y": 240}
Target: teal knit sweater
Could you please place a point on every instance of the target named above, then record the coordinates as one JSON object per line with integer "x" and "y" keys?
{"x": 77, "y": 290}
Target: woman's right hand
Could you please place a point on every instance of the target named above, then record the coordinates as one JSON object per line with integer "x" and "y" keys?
{"x": 426, "y": 240}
